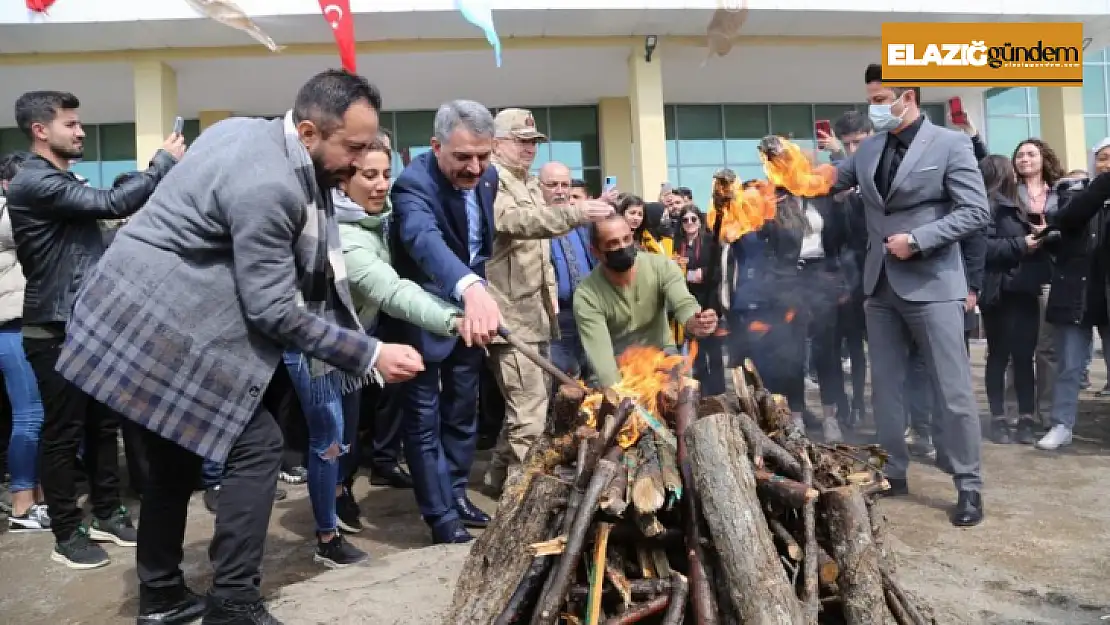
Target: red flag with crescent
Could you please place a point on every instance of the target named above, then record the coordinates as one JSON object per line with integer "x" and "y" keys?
{"x": 39, "y": 6}
{"x": 338, "y": 15}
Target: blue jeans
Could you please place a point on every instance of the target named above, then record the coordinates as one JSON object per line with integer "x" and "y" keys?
{"x": 1073, "y": 350}
{"x": 27, "y": 415}
{"x": 323, "y": 412}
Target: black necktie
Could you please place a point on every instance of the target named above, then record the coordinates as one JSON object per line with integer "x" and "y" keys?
{"x": 888, "y": 166}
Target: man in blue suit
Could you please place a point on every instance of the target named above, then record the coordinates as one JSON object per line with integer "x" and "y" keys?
{"x": 442, "y": 237}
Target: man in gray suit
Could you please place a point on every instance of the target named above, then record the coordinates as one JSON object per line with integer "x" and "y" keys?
{"x": 922, "y": 193}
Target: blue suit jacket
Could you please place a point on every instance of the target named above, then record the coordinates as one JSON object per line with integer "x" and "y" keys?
{"x": 429, "y": 240}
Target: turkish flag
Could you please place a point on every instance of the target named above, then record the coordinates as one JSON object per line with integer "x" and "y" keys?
{"x": 39, "y": 6}
{"x": 338, "y": 15}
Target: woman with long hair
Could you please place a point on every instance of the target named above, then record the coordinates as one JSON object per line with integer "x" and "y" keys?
{"x": 642, "y": 220}
{"x": 1016, "y": 270}
{"x": 695, "y": 246}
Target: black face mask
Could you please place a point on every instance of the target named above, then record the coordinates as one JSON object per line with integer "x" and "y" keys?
{"x": 622, "y": 259}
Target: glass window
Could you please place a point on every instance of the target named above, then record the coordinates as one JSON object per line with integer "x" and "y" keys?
{"x": 668, "y": 121}
{"x": 672, "y": 152}
{"x": 699, "y": 180}
{"x": 576, "y": 127}
{"x": 672, "y": 176}
{"x": 117, "y": 142}
{"x": 745, "y": 125}
{"x": 12, "y": 140}
{"x": 936, "y": 113}
{"x": 1095, "y": 130}
{"x": 698, "y": 122}
{"x": 1034, "y": 100}
{"x": 1005, "y": 133}
{"x": 92, "y": 143}
{"x": 1007, "y": 101}
{"x": 1094, "y": 89}
{"x": 794, "y": 121}
{"x": 831, "y": 112}
{"x": 1097, "y": 56}
{"x": 90, "y": 171}
{"x": 110, "y": 169}
{"x": 413, "y": 129}
{"x": 593, "y": 181}
{"x": 701, "y": 152}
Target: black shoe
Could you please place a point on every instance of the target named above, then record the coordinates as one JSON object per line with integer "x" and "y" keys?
{"x": 393, "y": 476}
{"x": 80, "y": 552}
{"x": 470, "y": 514}
{"x": 1001, "y": 433}
{"x": 338, "y": 553}
{"x": 1026, "y": 431}
{"x": 969, "y": 509}
{"x": 348, "y": 513}
{"x": 169, "y": 606}
{"x": 222, "y": 612}
{"x": 899, "y": 487}
{"x": 117, "y": 529}
{"x": 451, "y": 532}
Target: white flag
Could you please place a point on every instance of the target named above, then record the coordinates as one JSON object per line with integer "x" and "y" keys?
{"x": 229, "y": 13}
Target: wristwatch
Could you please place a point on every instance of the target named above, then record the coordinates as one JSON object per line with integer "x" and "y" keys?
{"x": 914, "y": 246}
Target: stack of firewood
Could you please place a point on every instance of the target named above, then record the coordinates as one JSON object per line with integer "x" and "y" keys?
{"x": 709, "y": 511}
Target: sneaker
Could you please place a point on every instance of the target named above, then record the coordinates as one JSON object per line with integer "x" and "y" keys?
{"x": 338, "y": 553}
{"x": 1025, "y": 431}
{"x": 224, "y": 612}
{"x": 295, "y": 475}
{"x": 34, "y": 520}
{"x": 117, "y": 529}
{"x": 922, "y": 447}
{"x": 1057, "y": 437}
{"x": 347, "y": 513}
{"x": 1001, "y": 432}
{"x": 80, "y": 552}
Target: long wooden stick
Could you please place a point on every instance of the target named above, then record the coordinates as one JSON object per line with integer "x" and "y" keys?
{"x": 702, "y": 596}
{"x": 527, "y": 591}
{"x": 892, "y": 586}
{"x": 789, "y": 545}
{"x": 811, "y": 598}
{"x": 535, "y": 357}
{"x": 597, "y": 579}
{"x": 769, "y": 449}
{"x": 641, "y": 611}
{"x": 676, "y": 609}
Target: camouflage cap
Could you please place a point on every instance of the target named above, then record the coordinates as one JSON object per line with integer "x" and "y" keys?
{"x": 517, "y": 123}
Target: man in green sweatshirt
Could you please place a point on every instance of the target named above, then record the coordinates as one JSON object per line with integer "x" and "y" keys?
{"x": 624, "y": 301}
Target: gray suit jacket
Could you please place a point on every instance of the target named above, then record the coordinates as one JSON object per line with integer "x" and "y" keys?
{"x": 937, "y": 196}
{"x": 183, "y": 323}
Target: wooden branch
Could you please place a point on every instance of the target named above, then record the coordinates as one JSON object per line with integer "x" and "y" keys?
{"x": 566, "y": 414}
{"x": 811, "y": 596}
{"x": 642, "y": 589}
{"x": 668, "y": 465}
{"x": 660, "y": 563}
{"x": 616, "y": 577}
{"x": 648, "y": 494}
{"x": 753, "y": 375}
{"x": 702, "y": 598}
{"x": 547, "y": 610}
{"x": 641, "y": 611}
{"x": 892, "y": 587}
{"x": 676, "y": 608}
{"x": 827, "y": 568}
{"x": 648, "y": 524}
{"x": 613, "y": 498}
{"x": 785, "y": 540}
{"x": 553, "y": 547}
{"x": 597, "y": 573}
{"x": 849, "y": 531}
{"x": 744, "y": 394}
{"x": 784, "y": 461}
{"x": 726, "y": 486}
{"x": 785, "y": 490}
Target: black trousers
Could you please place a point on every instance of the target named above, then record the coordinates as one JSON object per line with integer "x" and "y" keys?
{"x": 382, "y": 409}
{"x": 1011, "y": 325}
{"x": 823, "y": 330}
{"x": 242, "y": 514}
{"x": 709, "y": 366}
{"x": 852, "y": 332}
{"x": 71, "y": 416}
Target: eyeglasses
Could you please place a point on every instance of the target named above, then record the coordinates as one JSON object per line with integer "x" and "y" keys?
{"x": 690, "y": 220}
{"x": 557, "y": 185}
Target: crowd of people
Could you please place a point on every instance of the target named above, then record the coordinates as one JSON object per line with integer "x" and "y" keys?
{"x": 272, "y": 303}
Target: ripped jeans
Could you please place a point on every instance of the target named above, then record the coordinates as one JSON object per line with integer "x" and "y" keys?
{"x": 324, "y": 413}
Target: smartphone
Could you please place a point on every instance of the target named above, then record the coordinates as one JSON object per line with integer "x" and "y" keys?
{"x": 956, "y": 110}
{"x": 178, "y": 125}
{"x": 822, "y": 127}
{"x": 610, "y": 183}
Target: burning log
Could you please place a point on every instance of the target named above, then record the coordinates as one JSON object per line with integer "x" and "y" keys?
{"x": 727, "y": 487}
{"x": 733, "y": 498}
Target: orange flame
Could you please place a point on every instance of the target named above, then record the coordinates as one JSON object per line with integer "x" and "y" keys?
{"x": 758, "y": 327}
{"x": 789, "y": 316}
{"x": 645, "y": 371}
{"x": 748, "y": 209}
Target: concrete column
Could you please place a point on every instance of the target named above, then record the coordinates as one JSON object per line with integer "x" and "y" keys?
{"x": 155, "y": 107}
{"x": 615, "y": 130}
{"x": 207, "y": 118}
{"x": 649, "y": 138}
{"x": 1062, "y": 124}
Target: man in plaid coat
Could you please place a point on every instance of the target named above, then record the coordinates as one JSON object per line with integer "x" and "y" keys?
{"x": 182, "y": 326}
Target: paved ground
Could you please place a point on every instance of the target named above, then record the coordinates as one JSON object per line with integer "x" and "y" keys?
{"x": 1041, "y": 557}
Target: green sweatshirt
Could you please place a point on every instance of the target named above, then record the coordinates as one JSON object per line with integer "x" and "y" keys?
{"x": 375, "y": 285}
{"x": 610, "y": 319}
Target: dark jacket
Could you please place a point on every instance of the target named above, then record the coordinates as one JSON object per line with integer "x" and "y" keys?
{"x": 1079, "y": 292}
{"x": 57, "y": 234}
{"x": 697, "y": 257}
{"x": 1010, "y": 267}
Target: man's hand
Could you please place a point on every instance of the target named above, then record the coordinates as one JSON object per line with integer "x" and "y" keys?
{"x": 481, "y": 317}
{"x": 596, "y": 210}
{"x": 967, "y": 127}
{"x": 899, "y": 246}
{"x": 610, "y": 196}
{"x": 971, "y": 302}
{"x": 1031, "y": 243}
{"x": 175, "y": 145}
{"x": 828, "y": 142}
{"x": 397, "y": 362}
{"x": 703, "y": 323}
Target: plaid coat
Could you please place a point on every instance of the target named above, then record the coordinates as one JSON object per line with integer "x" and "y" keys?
{"x": 184, "y": 321}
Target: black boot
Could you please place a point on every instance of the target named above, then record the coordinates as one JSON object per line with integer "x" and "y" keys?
{"x": 1026, "y": 431}
{"x": 1001, "y": 432}
{"x": 969, "y": 509}
{"x": 164, "y": 606}
{"x": 224, "y": 612}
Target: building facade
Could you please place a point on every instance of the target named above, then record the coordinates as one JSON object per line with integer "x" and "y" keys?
{"x": 610, "y": 105}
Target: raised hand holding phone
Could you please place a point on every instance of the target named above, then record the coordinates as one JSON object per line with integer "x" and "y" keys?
{"x": 175, "y": 143}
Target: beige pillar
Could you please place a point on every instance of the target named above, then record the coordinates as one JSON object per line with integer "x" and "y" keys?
{"x": 155, "y": 107}
{"x": 649, "y": 138}
{"x": 207, "y": 118}
{"x": 1062, "y": 124}
{"x": 615, "y": 130}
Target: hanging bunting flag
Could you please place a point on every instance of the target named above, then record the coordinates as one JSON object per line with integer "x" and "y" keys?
{"x": 338, "y": 15}
{"x": 228, "y": 13}
{"x": 39, "y": 7}
{"x": 478, "y": 12}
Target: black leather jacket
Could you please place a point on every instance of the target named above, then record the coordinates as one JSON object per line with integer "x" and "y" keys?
{"x": 57, "y": 233}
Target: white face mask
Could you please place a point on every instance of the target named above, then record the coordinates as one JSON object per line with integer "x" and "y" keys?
{"x": 883, "y": 118}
